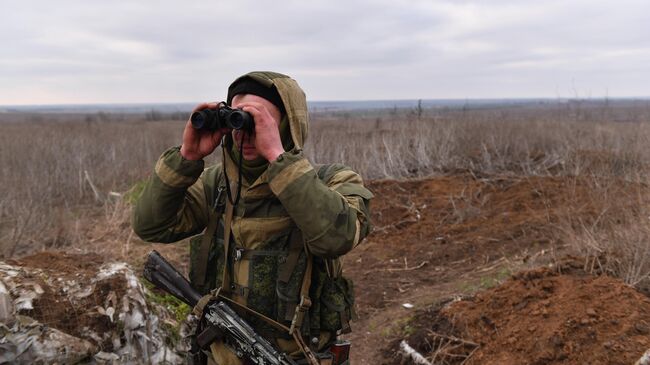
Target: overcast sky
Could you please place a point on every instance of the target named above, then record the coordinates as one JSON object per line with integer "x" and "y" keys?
{"x": 184, "y": 51}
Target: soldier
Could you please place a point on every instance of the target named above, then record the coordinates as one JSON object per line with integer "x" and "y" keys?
{"x": 276, "y": 250}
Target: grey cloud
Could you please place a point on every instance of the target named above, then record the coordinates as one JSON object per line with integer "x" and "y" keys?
{"x": 148, "y": 50}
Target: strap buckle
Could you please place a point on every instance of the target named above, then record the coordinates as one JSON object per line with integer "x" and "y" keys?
{"x": 299, "y": 314}
{"x": 237, "y": 255}
{"x": 217, "y": 206}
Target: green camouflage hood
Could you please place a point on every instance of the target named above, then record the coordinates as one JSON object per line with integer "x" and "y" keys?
{"x": 293, "y": 98}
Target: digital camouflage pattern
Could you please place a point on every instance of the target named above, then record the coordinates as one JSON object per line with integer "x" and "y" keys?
{"x": 327, "y": 205}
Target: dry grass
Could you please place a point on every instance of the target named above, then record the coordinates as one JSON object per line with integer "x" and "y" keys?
{"x": 57, "y": 176}
{"x": 523, "y": 141}
{"x": 49, "y": 171}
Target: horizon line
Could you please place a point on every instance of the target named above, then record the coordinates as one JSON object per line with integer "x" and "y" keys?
{"x": 338, "y": 101}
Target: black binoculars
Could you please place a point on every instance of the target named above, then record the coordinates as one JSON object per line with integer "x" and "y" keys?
{"x": 223, "y": 117}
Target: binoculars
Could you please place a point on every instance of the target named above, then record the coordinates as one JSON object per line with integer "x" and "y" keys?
{"x": 223, "y": 117}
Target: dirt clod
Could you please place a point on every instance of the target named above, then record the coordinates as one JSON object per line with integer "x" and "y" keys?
{"x": 642, "y": 328}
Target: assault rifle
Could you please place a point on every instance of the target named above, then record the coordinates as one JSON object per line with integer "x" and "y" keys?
{"x": 221, "y": 321}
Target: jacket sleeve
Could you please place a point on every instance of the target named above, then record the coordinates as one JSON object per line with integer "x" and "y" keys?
{"x": 332, "y": 213}
{"x": 173, "y": 203}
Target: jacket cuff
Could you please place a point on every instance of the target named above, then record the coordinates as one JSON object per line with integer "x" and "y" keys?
{"x": 175, "y": 171}
{"x": 286, "y": 169}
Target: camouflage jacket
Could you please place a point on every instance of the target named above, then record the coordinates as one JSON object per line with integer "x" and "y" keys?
{"x": 328, "y": 204}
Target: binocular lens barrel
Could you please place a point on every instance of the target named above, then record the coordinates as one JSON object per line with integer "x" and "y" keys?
{"x": 239, "y": 119}
{"x": 199, "y": 119}
{"x": 224, "y": 117}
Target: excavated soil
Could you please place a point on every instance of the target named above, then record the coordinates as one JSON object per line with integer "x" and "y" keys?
{"x": 539, "y": 317}
{"x": 452, "y": 236}
{"x": 63, "y": 264}
{"x": 430, "y": 230}
{"x": 542, "y": 317}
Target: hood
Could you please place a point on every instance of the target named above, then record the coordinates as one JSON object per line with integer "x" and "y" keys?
{"x": 293, "y": 99}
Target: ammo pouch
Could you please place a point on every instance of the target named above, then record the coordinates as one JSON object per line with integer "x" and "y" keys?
{"x": 331, "y": 298}
{"x": 337, "y": 304}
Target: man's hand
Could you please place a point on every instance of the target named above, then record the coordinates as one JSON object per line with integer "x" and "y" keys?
{"x": 267, "y": 133}
{"x": 199, "y": 143}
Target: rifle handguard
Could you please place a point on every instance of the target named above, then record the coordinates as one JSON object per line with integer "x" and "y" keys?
{"x": 163, "y": 275}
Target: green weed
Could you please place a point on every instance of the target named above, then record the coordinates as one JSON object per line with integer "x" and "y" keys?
{"x": 134, "y": 192}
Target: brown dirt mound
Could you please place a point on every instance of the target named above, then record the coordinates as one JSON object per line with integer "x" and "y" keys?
{"x": 542, "y": 317}
{"x": 455, "y": 224}
{"x": 73, "y": 315}
{"x": 62, "y": 262}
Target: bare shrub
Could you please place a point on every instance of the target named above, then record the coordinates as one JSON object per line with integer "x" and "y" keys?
{"x": 623, "y": 252}
{"x": 615, "y": 238}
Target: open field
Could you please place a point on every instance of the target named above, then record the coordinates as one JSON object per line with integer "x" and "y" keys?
{"x": 55, "y": 173}
{"x": 465, "y": 200}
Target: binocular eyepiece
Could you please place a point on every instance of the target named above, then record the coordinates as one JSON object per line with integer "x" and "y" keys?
{"x": 223, "y": 117}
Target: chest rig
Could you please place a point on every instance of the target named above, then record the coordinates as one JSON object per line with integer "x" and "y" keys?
{"x": 258, "y": 258}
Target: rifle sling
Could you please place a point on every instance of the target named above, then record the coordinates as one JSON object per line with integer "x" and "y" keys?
{"x": 242, "y": 307}
{"x": 309, "y": 355}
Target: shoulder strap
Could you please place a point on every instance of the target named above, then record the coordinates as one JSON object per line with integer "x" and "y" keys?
{"x": 305, "y": 303}
{"x": 204, "y": 251}
{"x": 297, "y": 245}
{"x": 206, "y": 241}
{"x": 227, "y": 275}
